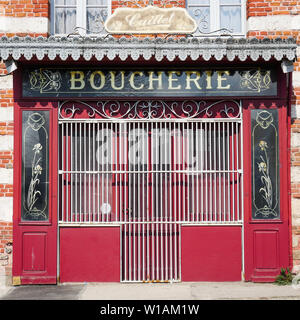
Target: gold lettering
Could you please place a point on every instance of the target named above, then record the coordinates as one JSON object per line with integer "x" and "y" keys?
{"x": 208, "y": 79}
{"x": 189, "y": 79}
{"x": 75, "y": 79}
{"x": 171, "y": 80}
{"x": 131, "y": 80}
{"x": 102, "y": 80}
{"x": 113, "y": 80}
{"x": 220, "y": 79}
{"x": 158, "y": 79}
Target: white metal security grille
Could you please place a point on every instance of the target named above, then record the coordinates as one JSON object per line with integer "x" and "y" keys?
{"x": 150, "y": 166}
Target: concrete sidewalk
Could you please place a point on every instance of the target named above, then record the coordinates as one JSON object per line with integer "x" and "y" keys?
{"x": 157, "y": 291}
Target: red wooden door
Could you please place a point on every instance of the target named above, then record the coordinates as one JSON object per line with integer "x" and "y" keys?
{"x": 35, "y": 204}
{"x": 266, "y": 196}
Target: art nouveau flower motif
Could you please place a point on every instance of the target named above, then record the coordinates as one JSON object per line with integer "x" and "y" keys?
{"x": 263, "y": 145}
{"x": 37, "y": 169}
{"x": 262, "y": 167}
{"x": 37, "y": 148}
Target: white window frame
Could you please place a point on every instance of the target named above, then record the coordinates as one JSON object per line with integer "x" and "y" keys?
{"x": 215, "y": 18}
{"x": 81, "y": 8}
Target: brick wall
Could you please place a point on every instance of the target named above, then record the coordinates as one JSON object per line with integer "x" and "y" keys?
{"x": 6, "y": 241}
{"x": 24, "y": 8}
{"x": 272, "y": 7}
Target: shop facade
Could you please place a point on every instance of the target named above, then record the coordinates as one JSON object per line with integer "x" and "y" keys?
{"x": 151, "y": 159}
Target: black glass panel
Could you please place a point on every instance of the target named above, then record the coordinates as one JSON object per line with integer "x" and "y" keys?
{"x": 35, "y": 165}
{"x": 265, "y": 164}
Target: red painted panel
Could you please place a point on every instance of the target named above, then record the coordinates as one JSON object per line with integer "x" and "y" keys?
{"x": 266, "y": 251}
{"x": 211, "y": 253}
{"x": 34, "y": 248}
{"x": 90, "y": 254}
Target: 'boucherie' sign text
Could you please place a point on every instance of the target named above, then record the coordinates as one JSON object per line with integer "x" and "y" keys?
{"x": 81, "y": 82}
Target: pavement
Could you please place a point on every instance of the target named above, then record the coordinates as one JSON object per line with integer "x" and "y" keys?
{"x": 153, "y": 291}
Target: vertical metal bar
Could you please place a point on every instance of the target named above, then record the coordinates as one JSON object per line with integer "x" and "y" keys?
{"x": 206, "y": 172}
{"x": 67, "y": 169}
{"x": 238, "y": 172}
{"x": 102, "y": 171}
{"x": 202, "y": 154}
{"x": 156, "y": 199}
{"x": 71, "y": 174}
{"x": 166, "y": 203}
{"x": 224, "y": 174}
{"x": 62, "y": 174}
{"x": 115, "y": 168}
{"x": 171, "y": 191}
{"x": 94, "y": 176}
{"x": 242, "y": 187}
{"x": 184, "y": 154}
{"x": 126, "y": 141}
{"x": 175, "y": 194}
{"x": 139, "y": 168}
{"x": 228, "y": 173}
{"x": 233, "y": 170}
{"x": 134, "y": 215}
{"x": 215, "y": 169}
{"x": 197, "y": 169}
{"x": 161, "y": 202}
{"x": 219, "y": 174}
{"x": 188, "y": 171}
{"x": 98, "y": 174}
{"x": 210, "y": 174}
{"x": 120, "y": 136}
{"x": 193, "y": 169}
{"x": 89, "y": 169}
{"x": 80, "y": 168}
{"x": 76, "y": 169}
{"x": 130, "y": 212}
{"x": 150, "y": 147}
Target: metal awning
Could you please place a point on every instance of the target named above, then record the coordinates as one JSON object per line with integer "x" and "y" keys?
{"x": 170, "y": 48}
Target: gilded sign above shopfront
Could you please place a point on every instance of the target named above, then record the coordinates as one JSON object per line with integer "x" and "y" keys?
{"x": 150, "y": 20}
{"x": 80, "y": 82}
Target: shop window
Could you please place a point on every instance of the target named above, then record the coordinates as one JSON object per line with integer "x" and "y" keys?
{"x": 218, "y": 17}
{"x": 83, "y": 16}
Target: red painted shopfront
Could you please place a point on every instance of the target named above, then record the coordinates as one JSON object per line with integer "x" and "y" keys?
{"x": 152, "y": 169}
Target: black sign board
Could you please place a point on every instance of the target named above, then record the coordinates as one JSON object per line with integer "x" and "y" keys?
{"x": 81, "y": 82}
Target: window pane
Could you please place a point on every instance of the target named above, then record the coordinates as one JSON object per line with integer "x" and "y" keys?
{"x": 65, "y": 2}
{"x": 230, "y": 1}
{"x": 198, "y": 2}
{"x": 95, "y": 19}
{"x": 202, "y": 17}
{"x": 35, "y": 165}
{"x": 265, "y": 164}
{"x": 97, "y": 2}
{"x": 231, "y": 18}
{"x": 65, "y": 20}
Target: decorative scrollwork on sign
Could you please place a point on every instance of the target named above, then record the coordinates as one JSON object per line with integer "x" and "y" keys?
{"x": 43, "y": 80}
{"x": 257, "y": 80}
{"x": 150, "y": 109}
